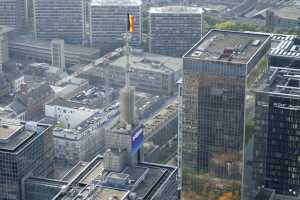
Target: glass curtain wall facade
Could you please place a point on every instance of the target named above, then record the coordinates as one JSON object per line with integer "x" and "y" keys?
{"x": 214, "y": 114}
{"x": 35, "y": 157}
{"x": 213, "y": 127}
{"x": 277, "y": 143}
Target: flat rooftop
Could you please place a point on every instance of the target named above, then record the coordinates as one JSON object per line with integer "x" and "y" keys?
{"x": 228, "y": 46}
{"x": 285, "y": 46}
{"x": 14, "y": 134}
{"x": 176, "y": 10}
{"x": 281, "y": 81}
{"x": 159, "y": 119}
{"x": 150, "y": 62}
{"x": 69, "y": 48}
{"x": 7, "y": 130}
{"x": 116, "y": 2}
{"x": 101, "y": 193}
{"x": 74, "y": 171}
{"x": 288, "y": 12}
{"x": 93, "y": 181}
{"x": 5, "y": 29}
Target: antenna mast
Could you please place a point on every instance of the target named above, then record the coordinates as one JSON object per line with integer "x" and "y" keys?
{"x": 127, "y": 38}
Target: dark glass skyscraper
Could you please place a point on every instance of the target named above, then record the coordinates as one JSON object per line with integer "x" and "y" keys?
{"x": 277, "y": 133}
{"x": 217, "y": 71}
{"x": 24, "y": 150}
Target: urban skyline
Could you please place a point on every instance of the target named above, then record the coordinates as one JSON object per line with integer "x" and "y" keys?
{"x": 149, "y": 100}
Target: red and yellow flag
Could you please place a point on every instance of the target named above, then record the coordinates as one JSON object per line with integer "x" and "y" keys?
{"x": 130, "y": 23}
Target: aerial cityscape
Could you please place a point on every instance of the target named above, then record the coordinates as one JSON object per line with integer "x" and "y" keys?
{"x": 149, "y": 100}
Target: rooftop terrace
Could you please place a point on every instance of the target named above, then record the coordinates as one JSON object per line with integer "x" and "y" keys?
{"x": 228, "y": 46}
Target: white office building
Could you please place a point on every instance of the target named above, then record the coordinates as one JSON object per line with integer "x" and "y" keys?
{"x": 174, "y": 29}
{"x": 62, "y": 19}
{"x": 109, "y": 21}
{"x": 12, "y": 13}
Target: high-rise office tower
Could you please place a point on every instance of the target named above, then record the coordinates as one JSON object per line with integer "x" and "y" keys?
{"x": 277, "y": 133}
{"x": 173, "y": 30}
{"x": 276, "y": 138}
{"x": 217, "y": 73}
{"x": 109, "y": 21}
{"x": 12, "y": 13}
{"x": 25, "y": 149}
{"x": 62, "y": 19}
{"x": 4, "y": 31}
{"x": 58, "y": 53}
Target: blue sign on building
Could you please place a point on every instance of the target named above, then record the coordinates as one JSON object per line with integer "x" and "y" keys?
{"x": 137, "y": 140}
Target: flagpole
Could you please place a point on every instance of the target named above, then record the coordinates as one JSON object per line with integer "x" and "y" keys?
{"x": 127, "y": 38}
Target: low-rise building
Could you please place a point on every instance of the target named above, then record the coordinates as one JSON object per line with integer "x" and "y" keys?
{"x": 16, "y": 79}
{"x": 40, "y": 51}
{"x": 159, "y": 130}
{"x": 69, "y": 87}
{"x": 98, "y": 97}
{"x": 151, "y": 73}
{"x": 29, "y": 104}
{"x": 143, "y": 181}
{"x": 45, "y": 71}
{"x": 79, "y": 131}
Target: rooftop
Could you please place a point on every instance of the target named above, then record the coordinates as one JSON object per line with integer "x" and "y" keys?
{"x": 149, "y": 61}
{"x": 67, "y": 103}
{"x": 5, "y": 29}
{"x": 95, "y": 119}
{"x": 165, "y": 114}
{"x": 177, "y": 10}
{"x": 74, "y": 171}
{"x": 96, "y": 183}
{"x": 116, "y": 2}
{"x": 7, "y": 130}
{"x": 228, "y": 46}
{"x": 288, "y": 12}
{"x": 281, "y": 81}
{"x": 69, "y": 48}
{"x": 100, "y": 193}
{"x": 285, "y": 45}
{"x": 14, "y": 134}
